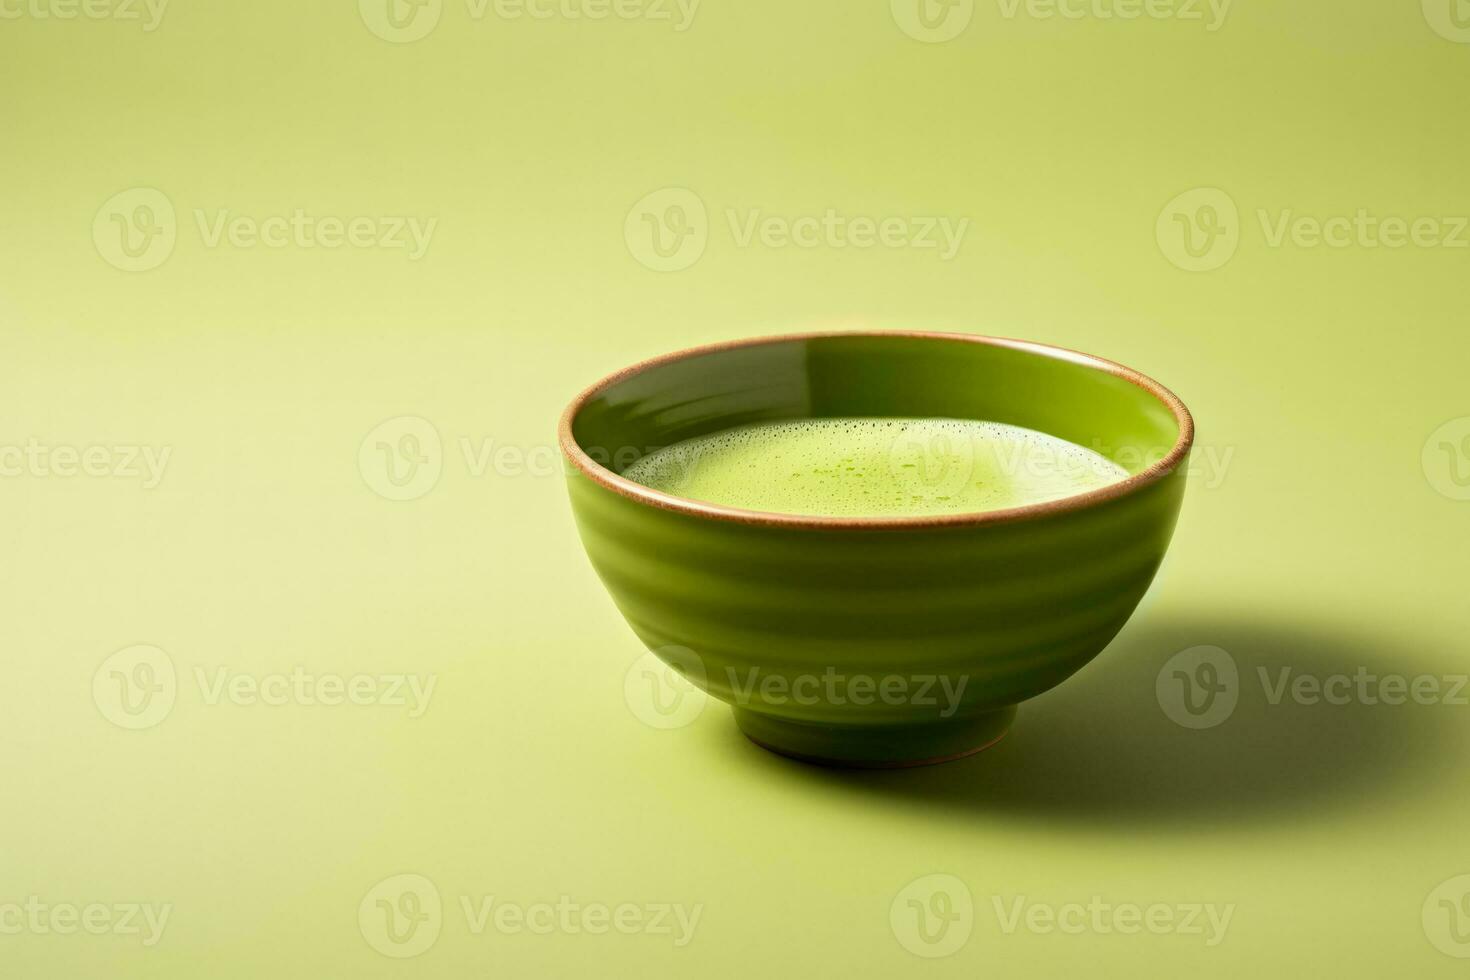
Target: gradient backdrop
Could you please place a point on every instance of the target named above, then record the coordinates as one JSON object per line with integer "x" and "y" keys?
{"x": 303, "y": 663}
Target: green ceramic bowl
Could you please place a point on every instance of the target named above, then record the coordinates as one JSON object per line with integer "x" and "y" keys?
{"x": 879, "y": 641}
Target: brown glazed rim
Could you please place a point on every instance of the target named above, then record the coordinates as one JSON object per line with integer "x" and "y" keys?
{"x": 694, "y": 508}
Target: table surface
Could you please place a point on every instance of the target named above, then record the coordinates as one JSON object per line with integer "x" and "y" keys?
{"x": 173, "y": 295}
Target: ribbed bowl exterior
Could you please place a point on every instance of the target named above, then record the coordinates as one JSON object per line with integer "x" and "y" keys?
{"x": 1008, "y": 609}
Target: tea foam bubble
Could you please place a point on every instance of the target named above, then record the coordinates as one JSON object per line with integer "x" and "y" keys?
{"x": 871, "y": 467}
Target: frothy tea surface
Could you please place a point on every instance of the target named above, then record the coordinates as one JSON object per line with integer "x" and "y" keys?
{"x": 875, "y": 467}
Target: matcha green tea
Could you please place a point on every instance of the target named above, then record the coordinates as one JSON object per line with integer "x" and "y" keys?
{"x": 870, "y": 467}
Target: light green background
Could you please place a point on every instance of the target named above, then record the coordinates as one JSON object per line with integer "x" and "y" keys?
{"x": 1317, "y": 374}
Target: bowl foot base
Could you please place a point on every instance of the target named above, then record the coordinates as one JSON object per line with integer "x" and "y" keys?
{"x": 876, "y": 746}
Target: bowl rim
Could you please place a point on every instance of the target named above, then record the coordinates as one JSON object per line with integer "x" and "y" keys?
{"x": 719, "y": 512}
